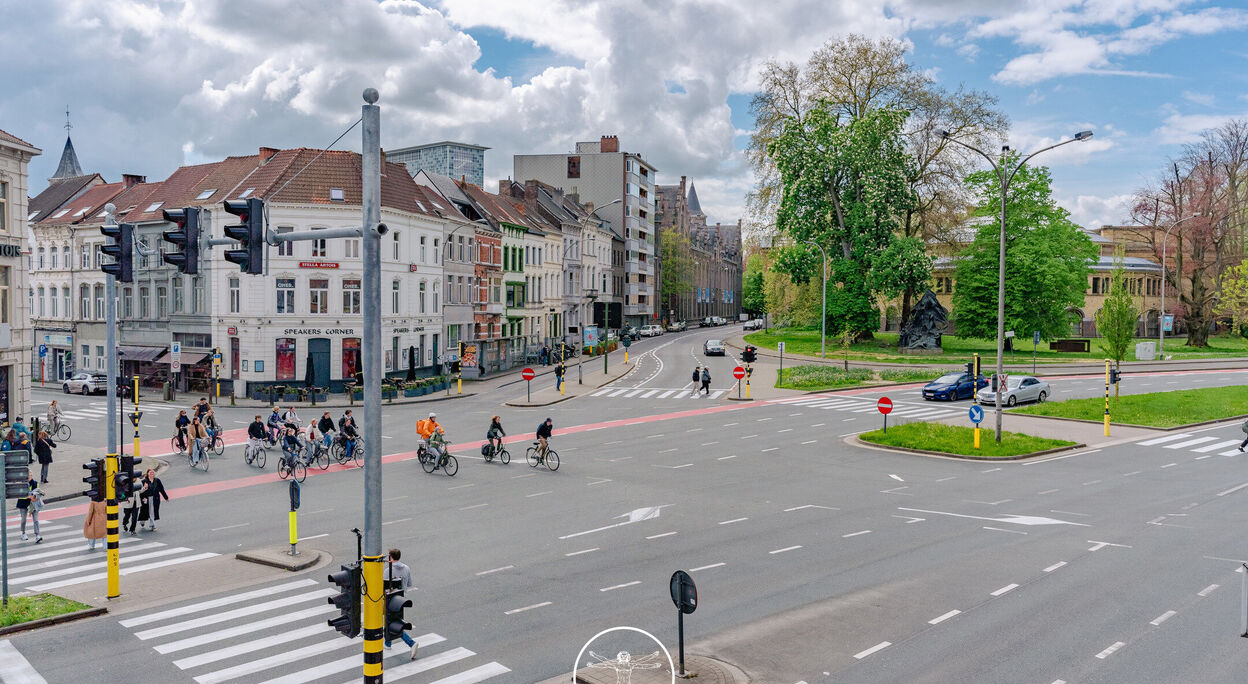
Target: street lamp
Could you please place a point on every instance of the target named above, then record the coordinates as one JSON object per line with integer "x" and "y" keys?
{"x": 1006, "y": 175}
{"x": 1161, "y": 321}
{"x": 823, "y": 319}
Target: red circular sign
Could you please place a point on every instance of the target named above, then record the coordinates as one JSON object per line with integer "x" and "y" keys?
{"x": 738, "y": 372}
{"x": 885, "y": 405}
{"x": 231, "y": 330}
{"x": 528, "y": 374}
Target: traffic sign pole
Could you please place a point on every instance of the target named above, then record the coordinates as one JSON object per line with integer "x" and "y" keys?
{"x": 528, "y": 375}
{"x": 738, "y": 373}
{"x": 884, "y": 406}
{"x": 976, "y": 414}
{"x": 1106, "y": 397}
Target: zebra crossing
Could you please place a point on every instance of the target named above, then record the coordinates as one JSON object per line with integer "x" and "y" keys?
{"x": 278, "y": 634}
{"x": 661, "y": 393}
{"x": 915, "y": 411}
{"x": 62, "y": 559}
{"x": 1199, "y": 445}
{"x": 98, "y": 410}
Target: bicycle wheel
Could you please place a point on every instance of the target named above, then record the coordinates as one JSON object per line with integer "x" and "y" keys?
{"x": 358, "y": 453}
{"x": 218, "y": 445}
{"x": 451, "y": 466}
{"x": 62, "y": 432}
{"x": 322, "y": 458}
{"x": 203, "y": 460}
{"x": 339, "y": 452}
{"x": 504, "y": 456}
{"x": 531, "y": 455}
{"x": 301, "y": 471}
{"x": 552, "y": 460}
{"x": 429, "y": 462}
{"x": 260, "y": 457}
{"x": 174, "y": 448}
{"x": 283, "y": 470}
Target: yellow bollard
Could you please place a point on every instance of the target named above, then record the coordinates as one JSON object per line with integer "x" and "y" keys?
{"x": 112, "y": 540}
{"x": 625, "y": 354}
{"x": 977, "y": 436}
{"x": 294, "y": 529}
{"x": 373, "y": 618}
{"x": 459, "y": 384}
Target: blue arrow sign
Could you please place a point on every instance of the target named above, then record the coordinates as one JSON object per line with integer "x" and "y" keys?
{"x": 976, "y": 412}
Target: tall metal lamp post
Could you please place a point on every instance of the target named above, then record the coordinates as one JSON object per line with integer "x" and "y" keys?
{"x": 823, "y": 319}
{"x": 1161, "y": 320}
{"x": 1006, "y": 175}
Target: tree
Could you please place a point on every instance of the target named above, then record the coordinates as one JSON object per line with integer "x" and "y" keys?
{"x": 843, "y": 186}
{"x": 1118, "y": 316}
{"x": 1234, "y": 300}
{"x": 1047, "y": 259}
{"x": 675, "y": 254}
{"x": 753, "y": 299}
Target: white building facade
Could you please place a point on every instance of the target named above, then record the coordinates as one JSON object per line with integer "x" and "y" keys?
{"x": 15, "y": 328}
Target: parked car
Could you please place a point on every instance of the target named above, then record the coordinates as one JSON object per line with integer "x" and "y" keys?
{"x": 651, "y": 330}
{"x": 713, "y": 348}
{"x": 1019, "y": 388}
{"x": 85, "y": 382}
{"x": 754, "y": 324}
{"x": 718, "y": 320}
{"x": 676, "y": 326}
{"x": 706, "y": 322}
{"x": 953, "y": 386}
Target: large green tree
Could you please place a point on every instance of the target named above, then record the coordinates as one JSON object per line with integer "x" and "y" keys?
{"x": 676, "y": 266}
{"x": 844, "y": 184}
{"x": 1119, "y": 314}
{"x": 753, "y": 297}
{"x": 1047, "y": 258}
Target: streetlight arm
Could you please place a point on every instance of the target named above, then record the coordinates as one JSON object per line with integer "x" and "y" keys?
{"x": 976, "y": 150}
{"x": 1039, "y": 151}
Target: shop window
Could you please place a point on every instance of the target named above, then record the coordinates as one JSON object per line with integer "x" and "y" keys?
{"x": 285, "y": 358}
{"x": 350, "y": 357}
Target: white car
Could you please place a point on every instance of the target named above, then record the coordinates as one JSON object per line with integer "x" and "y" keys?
{"x": 1018, "y": 388}
{"x": 651, "y": 330}
{"x": 85, "y": 382}
{"x": 755, "y": 324}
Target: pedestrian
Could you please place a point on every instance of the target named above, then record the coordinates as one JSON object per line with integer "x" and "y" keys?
{"x": 697, "y": 374}
{"x": 43, "y": 449}
{"x": 153, "y": 489}
{"x": 559, "y": 376}
{"x": 20, "y": 428}
{"x": 400, "y": 573}
{"x": 706, "y": 379}
{"x": 95, "y": 527}
{"x": 544, "y": 357}
{"x": 32, "y": 504}
{"x": 1244, "y": 443}
{"x": 130, "y": 520}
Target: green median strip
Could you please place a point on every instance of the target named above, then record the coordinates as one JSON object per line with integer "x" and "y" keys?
{"x": 817, "y": 377}
{"x": 29, "y": 608}
{"x": 1155, "y": 409}
{"x": 960, "y": 441}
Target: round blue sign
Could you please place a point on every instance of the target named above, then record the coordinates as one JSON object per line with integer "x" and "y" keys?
{"x": 976, "y": 413}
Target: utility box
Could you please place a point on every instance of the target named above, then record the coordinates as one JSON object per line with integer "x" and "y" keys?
{"x": 167, "y": 391}
{"x": 1145, "y": 351}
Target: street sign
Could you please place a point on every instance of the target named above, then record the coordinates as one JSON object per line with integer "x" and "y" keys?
{"x": 780, "y": 347}
{"x": 627, "y": 341}
{"x": 684, "y": 592}
{"x": 738, "y": 372}
{"x": 591, "y": 336}
{"x": 135, "y": 417}
{"x": 43, "y": 350}
{"x": 1168, "y": 323}
{"x": 976, "y": 413}
{"x": 1035, "y": 337}
{"x": 231, "y": 330}
{"x": 175, "y": 367}
{"x": 216, "y": 359}
{"x": 885, "y": 405}
{"x": 528, "y": 374}
{"x": 1009, "y": 333}
{"x": 175, "y": 351}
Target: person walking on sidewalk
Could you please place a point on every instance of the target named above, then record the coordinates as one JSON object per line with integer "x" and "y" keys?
{"x": 399, "y": 571}
{"x": 95, "y": 527}
{"x": 559, "y": 376}
{"x": 706, "y": 380}
{"x": 43, "y": 449}
{"x": 153, "y": 489}
{"x": 32, "y": 504}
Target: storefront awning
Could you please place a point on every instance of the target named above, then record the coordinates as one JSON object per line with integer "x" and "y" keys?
{"x": 137, "y": 353}
{"x": 189, "y": 358}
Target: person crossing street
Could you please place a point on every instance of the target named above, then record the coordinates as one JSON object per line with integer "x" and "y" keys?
{"x": 706, "y": 379}
{"x": 403, "y": 574}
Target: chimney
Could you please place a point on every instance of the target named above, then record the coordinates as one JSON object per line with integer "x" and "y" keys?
{"x": 609, "y": 143}
{"x": 132, "y": 179}
{"x": 267, "y": 153}
{"x": 530, "y": 191}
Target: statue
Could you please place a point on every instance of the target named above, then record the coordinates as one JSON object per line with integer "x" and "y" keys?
{"x": 927, "y": 322}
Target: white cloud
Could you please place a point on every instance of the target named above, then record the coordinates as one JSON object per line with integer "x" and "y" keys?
{"x": 969, "y": 51}
{"x": 1092, "y": 211}
{"x": 1205, "y": 99}
{"x": 1180, "y": 129}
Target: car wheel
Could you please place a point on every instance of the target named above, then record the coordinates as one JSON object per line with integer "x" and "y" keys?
{"x": 85, "y": 392}
{"x": 65, "y": 388}
{"x": 1013, "y": 400}
{"x": 1040, "y": 398}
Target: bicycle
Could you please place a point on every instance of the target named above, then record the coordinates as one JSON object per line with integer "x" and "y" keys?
{"x": 292, "y": 467}
{"x": 203, "y": 459}
{"x": 490, "y": 452}
{"x": 448, "y": 463}
{"x": 534, "y": 456}
{"x": 61, "y": 432}
{"x": 319, "y": 455}
{"x": 339, "y": 452}
{"x": 175, "y": 448}
{"x": 257, "y": 456}
{"x": 216, "y": 444}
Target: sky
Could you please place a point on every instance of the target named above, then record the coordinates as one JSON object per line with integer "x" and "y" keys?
{"x": 154, "y": 84}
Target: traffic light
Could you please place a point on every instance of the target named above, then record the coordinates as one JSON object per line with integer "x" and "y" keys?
{"x": 1114, "y": 376}
{"x": 185, "y": 236}
{"x": 750, "y": 354}
{"x": 395, "y": 624}
{"x": 121, "y": 249}
{"x": 970, "y": 368}
{"x": 95, "y": 480}
{"x": 249, "y": 233}
{"x": 455, "y": 366}
{"x": 17, "y": 475}
{"x": 347, "y": 600}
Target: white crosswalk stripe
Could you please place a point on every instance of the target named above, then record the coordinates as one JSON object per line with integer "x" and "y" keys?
{"x": 62, "y": 558}
{"x": 1217, "y": 445}
{"x": 1190, "y": 442}
{"x": 1161, "y": 440}
{"x": 15, "y": 669}
{"x": 657, "y": 393}
{"x": 280, "y": 641}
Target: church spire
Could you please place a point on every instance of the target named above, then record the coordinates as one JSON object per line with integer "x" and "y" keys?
{"x": 695, "y": 209}
{"x": 69, "y": 166}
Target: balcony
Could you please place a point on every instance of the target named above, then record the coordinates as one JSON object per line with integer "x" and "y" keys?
{"x": 635, "y": 267}
{"x": 492, "y": 308}
{"x": 634, "y": 289}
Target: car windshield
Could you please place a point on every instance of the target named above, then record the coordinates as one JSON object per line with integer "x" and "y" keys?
{"x": 948, "y": 378}
{"x": 712, "y": 343}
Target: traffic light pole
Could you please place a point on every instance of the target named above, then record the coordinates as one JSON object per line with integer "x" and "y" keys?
{"x": 110, "y": 313}
{"x": 373, "y": 583}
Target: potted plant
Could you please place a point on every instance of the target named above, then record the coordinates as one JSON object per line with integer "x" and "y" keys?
{"x": 388, "y": 391}
{"x": 320, "y": 394}
{"x": 411, "y": 389}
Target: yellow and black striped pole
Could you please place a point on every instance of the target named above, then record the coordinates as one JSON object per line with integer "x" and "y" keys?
{"x": 373, "y": 618}
{"x": 114, "y": 559}
{"x": 137, "y": 415}
{"x": 1106, "y": 397}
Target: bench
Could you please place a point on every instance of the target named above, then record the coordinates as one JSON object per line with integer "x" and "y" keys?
{"x": 1083, "y": 346}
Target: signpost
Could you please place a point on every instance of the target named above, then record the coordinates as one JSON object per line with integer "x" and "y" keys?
{"x": 528, "y": 376}
{"x": 685, "y": 596}
{"x": 43, "y": 352}
{"x": 216, "y": 374}
{"x": 885, "y": 406}
{"x": 780, "y": 348}
{"x": 1035, "y": 342}
{"x": 175, "y": 358}
{"x": 738, "y": 373}
{"x": 976, "y": 414}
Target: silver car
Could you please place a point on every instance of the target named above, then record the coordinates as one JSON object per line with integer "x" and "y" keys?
{"x": 713, "y": 348}
{"x": 85, "y": 382}
{"x": 1018, "y": 388}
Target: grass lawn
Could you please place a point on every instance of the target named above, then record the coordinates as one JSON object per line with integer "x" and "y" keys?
{"x": 952, "y": 439}
{"x": 883, "y": 348}
{"x": 27, "y": 608}
{"x": 1156, "y": 409}
{"x": 820, "y": 377}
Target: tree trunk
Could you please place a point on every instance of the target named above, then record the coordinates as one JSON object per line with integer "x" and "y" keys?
{"x": 906, "y": 298}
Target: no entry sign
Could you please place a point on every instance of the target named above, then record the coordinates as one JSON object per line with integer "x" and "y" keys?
{"x": 738, "y": 372}
{"x": 527, "y": 374}
{"x": 885, "y": 405}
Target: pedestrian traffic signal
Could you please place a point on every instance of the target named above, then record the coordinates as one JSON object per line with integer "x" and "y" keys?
{"x": 1114, "y": 376}
{"x": 395, "y": 624}
{"x": 185, "y": 236}
{"x": 121, "y": 249}
{"x": 17, "y": 474}
{"x": 249, "y": 233}
{"x": 750, "y": 354}
{"x": 347, "y": 601}
{"x": 123, "y": 485}
{"x": 95, "y": 480}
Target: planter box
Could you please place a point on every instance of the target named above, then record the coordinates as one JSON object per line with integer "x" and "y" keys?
{"x": 287, "y": 398}
{"x": 321, "y": 396}
{"x": 412, "y": 392}
{"x": 388, "y": 394}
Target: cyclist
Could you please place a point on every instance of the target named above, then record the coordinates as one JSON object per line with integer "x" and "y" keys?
{"x": 209, "y": 420}
{"x": 543, "y": 435}
{"x": 437, "y": 444}
{"x": 198, "y": 436}
{"x": 290, "y": 418}
{"x": 348, "y": 433}
{"x": 275, "y": 425}
{"x": 255, "y": 435}
{"x": 54, "y": 417}
{"x": 314, "y": 442}
{"x": 325, "y": 425}
{"x": 179, "y": 429}
{"x": 202, "y": 407}
{"x": 495, "y": 434}
{"x": 291, "y": 446}
{"x": 426, "y": 428}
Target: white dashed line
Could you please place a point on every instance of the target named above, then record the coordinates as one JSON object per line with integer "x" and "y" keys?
{"x": 1055, "y": 566}
{"x": 876, "y": 648}
{"x": 725, "y": 458}
{"x": 1007, "y": 588}
{"x": 810, "y": 442}
{"x": 530, "y": 496}
{"x": 1163, "y": 617}
{"x": 621, "y": 586}
{"x": 707, "y": 567}
{"x": 577, "y": 553}
{"x": 1109, "y": 651}
{"x": 521, "y": 610}
{"x": 1207, "y": 590}
{"x": 490, "y": 572}
{"x": 942, "y": 618}
{"x": 787, "y": 548}
{"x": 734, "y": 520}
{"x": 855, "y": 534}
{"x": 656, "y": 536}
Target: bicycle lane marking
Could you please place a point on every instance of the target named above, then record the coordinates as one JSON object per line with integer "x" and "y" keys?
{"x": 267, "y": 478}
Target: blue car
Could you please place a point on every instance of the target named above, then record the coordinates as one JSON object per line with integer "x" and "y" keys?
{"x": 953, "y": 386}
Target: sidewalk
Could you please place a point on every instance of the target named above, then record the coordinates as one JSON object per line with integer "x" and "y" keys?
{"x": 576, "y": 382}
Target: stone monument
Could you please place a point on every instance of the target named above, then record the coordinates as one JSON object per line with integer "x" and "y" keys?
{"x": 927, "y": 322}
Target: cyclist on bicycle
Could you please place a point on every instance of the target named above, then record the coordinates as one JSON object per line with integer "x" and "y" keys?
{"x": 291, "y": 446}
{"x": 495, "y": 434}
{"x": 198, "y": 435}
{"x": 275, "y": 425}
{"x": 543, "y": 434}
{"x": 437, "y": 444}
{"x": 290, "y": 418}
{"x": 179, "y": 429}
{"x": 210, "y": 422}
{"x": 54, "y": 417}
{"x": 255, "y": 435}
{"x": 348, "y": 433}
{"x": 201, "y": 408}
{"x": 325, "y": 425}
{"x": 314, "y": 442}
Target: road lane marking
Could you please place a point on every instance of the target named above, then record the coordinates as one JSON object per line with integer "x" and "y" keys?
{"x": 810, "y": 442}
{"x": 1007, "y": 588}
{"x": 490, "y": 572}
{"x": 654, "y": 436}
{"x": 878, "y": 647}
{"x": 799, "y": 508}
{"x": 725, "y": 458}
{"x": 664, "y": 451}
{"x": 896, "y": 477}
{"x": 818, "y": 425}
{"x": 15, "y": 668}
{"x": 998, "y": 529}
{"x": 315, "y": 536}
{"x": 1109, "y": 651}
{"x": 227, "y": 527}
{"x": 451, "y": 489}
{"x": 784, "y": 430}
{"x": 734, "y": 520}
{"x": 942, "y": 618}
{"x": 707, "y": 567}
{"x": 787, "y": 548}
{"x": 577, "y": 553}
{"x": 749, "y": 437}
{"x": 530, "y": 496}
{"x": 391, "y": 522}
{"x": 480, "y": 505}
{"x": 708, "y": 443}
{"x": 513, "y": 611}
{"x": 855, "y": 534}
{"x": 1163, "y": 617}
{"x": 771, "y": 449}
{"x": 1215, "y": 446}
{"x": 729, "y": 424}
{"x": 1233, "y": 489}
{"x": 1098, "y": 545}
{"x": 656, "y": 536}
{"x": 1207, "y": 590}
{"x": 1169, "y": 465}
{"x": 1049, "y": 491}
{"x": 1055, "y": 566}
{"x": 620, "y": 586}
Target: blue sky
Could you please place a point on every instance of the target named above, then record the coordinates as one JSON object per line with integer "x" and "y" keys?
{"x": 154, "y": 84}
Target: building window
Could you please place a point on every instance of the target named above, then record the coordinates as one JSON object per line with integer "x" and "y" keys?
{"x": 235, "y": 299}
{"x": 435, "y": 250}
{"x": 285, "y": 248}
{"x": 84, "y": 302}
{"x": 84, "y": 259}
{"x": 574, "y": 167}
{"x": 351, "y": 296}
{"x": 140, "y": 246}
{"x": 285, "y": 358}
{"x": 320, "y": 248}
{"x": 435, "y": 295}
{"x": 353, "y": 248}
{"x": 99, "y": 351}
{"x": 422, "y": 249}
{"x": 178, "y": 299}
{"x": 350, "y": 357}
{"x": 396, "y": 245}
{"x": 40, "y": 261}
{"x": 1096, "y": 286}
{"x": 4, "y": 207}
{"x": 127, "y": 300}
{"x": 421, "y": 298}
{"x": 144, "y": 298}
{"x": 65, "y": 301}
{"x": 54, "y": 259}
{"x": 394, "y": 297}
{"x": 285, "y": 295}
{"x": 460, "y": 243}
{"x": 318, "y": 295}
{"x": 162, "y": 302}
{"x": 86, "y": 356}
{"x": 99, "y": 302}
{"x": 197, "y": 294}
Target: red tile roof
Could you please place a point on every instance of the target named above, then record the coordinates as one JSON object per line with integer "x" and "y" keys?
{"x": 502, "y": 209}
{"x": 85, "y": 206}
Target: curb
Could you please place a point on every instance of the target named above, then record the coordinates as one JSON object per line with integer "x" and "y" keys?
{"x": 524, "y": 405}
{"x": 945, "y": 454}
{"x": 54, "y": 620}
{"x": 276, "y": 559}
{"x": 1228, "y": 419}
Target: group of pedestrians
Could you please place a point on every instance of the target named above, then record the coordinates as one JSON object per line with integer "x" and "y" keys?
{"x": 141, "y": 510}
{"x": 702, "y": 374}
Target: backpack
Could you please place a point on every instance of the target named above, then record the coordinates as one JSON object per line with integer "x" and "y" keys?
{"x": 1244, "y": 427}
